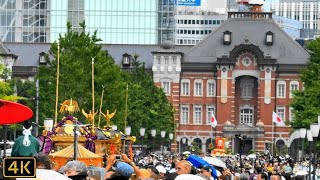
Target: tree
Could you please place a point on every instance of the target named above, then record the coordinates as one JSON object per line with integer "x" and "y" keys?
{"x": 306, "y": 103}
{"x": 77, "y": 50}
{"x": 7, "y": 92}
{"x": 148, "y": 105}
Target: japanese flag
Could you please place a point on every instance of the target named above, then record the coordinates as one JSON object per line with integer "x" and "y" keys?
{"x": 213, "y": 121}
{"x": 277, "y": 119}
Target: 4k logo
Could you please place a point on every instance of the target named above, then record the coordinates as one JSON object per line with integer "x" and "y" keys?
{"x": 19, "y": 167}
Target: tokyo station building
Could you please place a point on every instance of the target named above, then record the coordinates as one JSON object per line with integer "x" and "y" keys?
{"x": 242, "y": 72}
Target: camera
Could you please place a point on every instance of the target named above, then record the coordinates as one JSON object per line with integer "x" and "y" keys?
{"x": 118, "y": 157}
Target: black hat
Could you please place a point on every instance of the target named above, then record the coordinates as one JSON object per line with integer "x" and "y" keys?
{"x": 27, "y": 124}
{"x": 206, "y": 167}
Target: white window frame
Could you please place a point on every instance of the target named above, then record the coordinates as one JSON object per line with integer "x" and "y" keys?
{"x": 246, "y": 118}
{"x": 210, "y": 109}
{"x": 185, "y": 91}
{"x": 166, "y": 86}
{"x": 184, "y": 114}
{"x": 281, "y": 112}
{"x": 197, "y": 114}
{"x": 281, "y": 94}
{"x": 293, "y": 83}
{"x": 166, "y": 60}
{"x": 291, "y": 115}
{"x": 198, "y": 92}
{"x": 247, "y": 88}
{"x": 211, "y": 91}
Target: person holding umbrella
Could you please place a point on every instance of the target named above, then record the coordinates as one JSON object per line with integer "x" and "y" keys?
{"x": 26, "y": 145}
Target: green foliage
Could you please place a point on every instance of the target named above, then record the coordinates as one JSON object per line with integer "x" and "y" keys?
{"x": 147, "y": 104}
{"x": 306, "y": 103}
{"x": 77, "y": 52}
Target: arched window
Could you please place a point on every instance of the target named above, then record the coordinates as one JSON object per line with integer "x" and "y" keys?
{"x": 246, "y": 88}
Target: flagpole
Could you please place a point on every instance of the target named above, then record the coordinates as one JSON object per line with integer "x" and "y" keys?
{"x": 211, "y": 133}
{"x": 215, "y": 131}
{"x": 57, "y": 86}
{"x": 272, "y": 138}
{"x": 101, "y": 105}
{"x": 92, "y": 89}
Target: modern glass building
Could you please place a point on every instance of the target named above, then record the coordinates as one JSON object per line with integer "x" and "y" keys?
{"x": 24, "y": 21}
{"x": 116, "y": 21}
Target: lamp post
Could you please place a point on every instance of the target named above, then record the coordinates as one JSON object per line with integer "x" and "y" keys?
{"x": 153, "y": 134}
{"x": 170, "y": 140}
{"x": 184, "y": 140}
{"x": 127, "y": 131}
{"x": 310, "y": 139}
{"x": 114, "y": 127}
{"x": 189, "y": 146}
{"x": 163, "y": 135}
{"x": 314, "y": 128}
{"x": 178, "y": 140}
{"x": 241, "y": 144}
{"x": 142, "y": 132}
{"x": 303, "y": 133}
{"x": 48, "y": 124}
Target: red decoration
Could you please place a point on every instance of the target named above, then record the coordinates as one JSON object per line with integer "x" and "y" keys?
{"x": 219, "y": 143}
{"x": 12, "y": 113}
{"x": 112, "y": 148}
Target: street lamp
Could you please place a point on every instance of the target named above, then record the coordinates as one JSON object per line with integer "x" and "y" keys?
{"x": 184, "y": 140}
{"x": 48, "y": 124}
{"x": 153, "y": 134}
{"x": 303, "y": 133}
{"x": 127, "y": 131}
{"x": 314, "y": 128}
{"x": 163, "y": 135}
{"x": 310, "y": 139}
{"x": 241, "y": 138}
{"x": 178, "y": 140}
{"x": 142, "y": 132}
{"x": 114, "y": 127}
{"x": 170, "y": 140}
{"x": 189, "y": 146}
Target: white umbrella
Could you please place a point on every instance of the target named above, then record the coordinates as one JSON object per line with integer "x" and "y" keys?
{"x": 47, "y": 174}
{"x": 215, "y": 161}
{"x": 252, "y": 156}
{"x": 301, "y": 173}
{"x": 189, "y": 177}
{"x": 186, "y": 153}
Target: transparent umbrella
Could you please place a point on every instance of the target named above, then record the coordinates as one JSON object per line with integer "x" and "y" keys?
{"x": 215, "y": 161}
{"x": 47, "y": 174}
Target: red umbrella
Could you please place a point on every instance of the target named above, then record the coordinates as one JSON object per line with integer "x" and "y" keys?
{"x": 11, "y": 112}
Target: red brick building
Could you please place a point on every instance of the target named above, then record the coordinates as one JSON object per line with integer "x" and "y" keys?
{"x": 241, "y": 73}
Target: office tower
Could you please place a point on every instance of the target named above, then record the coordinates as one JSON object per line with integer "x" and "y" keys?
{"x": 305, "y": 11}
{"x": 116, "y": 22}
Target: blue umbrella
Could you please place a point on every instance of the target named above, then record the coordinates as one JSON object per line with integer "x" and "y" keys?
{"x": 199, "y": 162}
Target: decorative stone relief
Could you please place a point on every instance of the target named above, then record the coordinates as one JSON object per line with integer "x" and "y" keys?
{"x": 267, "y": 85}
{"x": 224, "y": 85}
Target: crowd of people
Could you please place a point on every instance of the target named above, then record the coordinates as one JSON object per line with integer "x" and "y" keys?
{"x": 179, "y": 167}
{"x": 184, "y": 166}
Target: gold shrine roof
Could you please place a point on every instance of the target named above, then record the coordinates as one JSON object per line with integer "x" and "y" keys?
{"x": 68, "y": 152}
